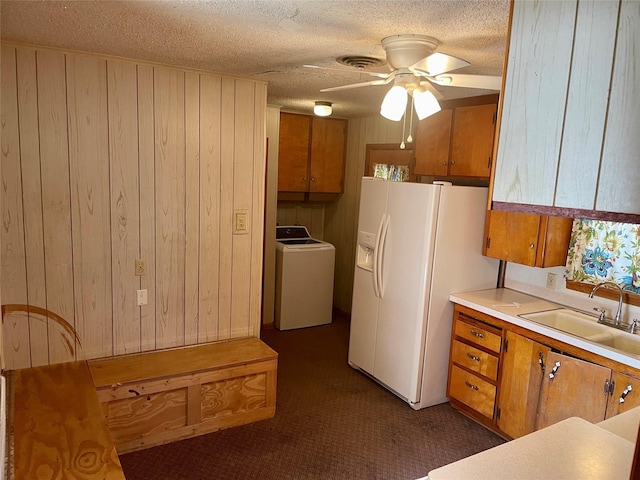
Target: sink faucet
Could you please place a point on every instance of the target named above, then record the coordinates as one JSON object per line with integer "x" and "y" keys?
{"x": 618, "y": 316}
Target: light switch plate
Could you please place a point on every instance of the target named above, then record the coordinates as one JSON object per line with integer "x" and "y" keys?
{"x": 141, "y": 297}
{"x": 240, "y": 222}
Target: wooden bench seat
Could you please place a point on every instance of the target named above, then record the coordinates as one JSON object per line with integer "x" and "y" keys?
{"x": 158, "y": 397}
{"x": 58, "y": 426}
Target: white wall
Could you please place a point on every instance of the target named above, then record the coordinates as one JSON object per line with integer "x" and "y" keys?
{"x": 533, "y": 280}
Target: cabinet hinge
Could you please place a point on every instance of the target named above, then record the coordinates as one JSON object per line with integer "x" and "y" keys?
{"x": 506, "y": 345}
{"x": 498, "y": 411}
{"x": 489, "y": 163}
{"x": 609, "y": 386}
{"x": 495, "y": 117}
{"x": 488, "y": 243}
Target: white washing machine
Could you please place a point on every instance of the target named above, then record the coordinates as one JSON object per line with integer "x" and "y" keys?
{"x": 304, "y": 279}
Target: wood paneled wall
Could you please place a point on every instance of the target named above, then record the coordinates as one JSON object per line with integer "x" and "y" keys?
{"x": 308, "y": 215}
{"x": 341, "y": 217}
{"x": 105, "y": 161}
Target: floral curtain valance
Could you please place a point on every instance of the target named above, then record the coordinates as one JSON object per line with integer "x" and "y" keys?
{"x": 605, "y": 251}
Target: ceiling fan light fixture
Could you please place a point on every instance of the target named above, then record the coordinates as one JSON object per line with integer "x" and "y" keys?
{"x": 394, "y": 103}
{"x": 322, "y": 109}
{"x": 425, "y": 103}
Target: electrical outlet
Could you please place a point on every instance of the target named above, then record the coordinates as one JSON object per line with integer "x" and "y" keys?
{"x": 551, "y": 280}
{"x": 141, "y": 267}
{"x": 141, "y": 297}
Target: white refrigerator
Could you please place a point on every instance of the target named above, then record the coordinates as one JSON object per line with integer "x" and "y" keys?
{"x": 416, "y": 244}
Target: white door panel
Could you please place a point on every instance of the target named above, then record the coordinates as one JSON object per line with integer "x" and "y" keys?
{"x": 412, "y": 213}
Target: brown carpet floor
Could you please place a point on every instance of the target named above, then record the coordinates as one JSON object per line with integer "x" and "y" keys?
{"x": 331, "y": 422}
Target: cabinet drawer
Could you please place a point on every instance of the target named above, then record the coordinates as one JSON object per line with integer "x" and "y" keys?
{"x": 482, "y": 362}
{"x": 478, "y": 335}
{"x": 472, "y": 391}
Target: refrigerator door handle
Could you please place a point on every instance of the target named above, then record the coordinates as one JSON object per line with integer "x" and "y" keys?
{"x": 376, "y": 248}
{"x": 380, "y": 256}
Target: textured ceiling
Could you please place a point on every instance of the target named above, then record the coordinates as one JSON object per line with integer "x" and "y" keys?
{"x": 269, "y": 40}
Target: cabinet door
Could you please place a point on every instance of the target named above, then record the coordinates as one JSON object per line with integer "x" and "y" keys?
{"x": 512, "y": 236}
{"x": 527, "y": 239}
{"x": 472, "y": 142}
{"x": 328, "y": 148}
{"x": 626, "y": 394}
{"x": 522, "y": 373}
{"x": 293, "y": 153}
{"x": 572, "y": 388}
{"x": 432, "y": 144}
{"x": 534, "y": 101}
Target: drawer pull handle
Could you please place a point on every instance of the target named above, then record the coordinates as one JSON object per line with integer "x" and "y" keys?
{"x": 625, "y": 392}
{"x": 477, "y": 334}
{"x": 554, "y": 370}
{"x": 473, "y": 357}
{"x": 471, "y": 385}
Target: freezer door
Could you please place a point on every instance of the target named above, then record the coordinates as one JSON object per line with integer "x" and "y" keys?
{"x": 364, "y": 308}
{"x": 407, "y": 256}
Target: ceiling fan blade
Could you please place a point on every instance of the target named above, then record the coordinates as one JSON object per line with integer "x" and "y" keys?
{"x": 486, "y": 82}
{"x": 344, "y": 70}
{"x": 358, "y": 85}
{"x": 437, "y": 63}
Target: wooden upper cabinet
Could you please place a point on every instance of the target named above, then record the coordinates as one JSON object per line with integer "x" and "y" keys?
{"x": 328, "y": 149}
{"x": 527, "y": 239}
{"x": 311, "y": 154}
{"x": 472, "y": 142}
{"x": 569, "y": 121}
{"x": 293, "y": 153}
{"x": 457, "y": 142}
{"x": 432, "y": 144}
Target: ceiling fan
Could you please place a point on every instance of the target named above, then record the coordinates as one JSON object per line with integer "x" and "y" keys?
{"x": 415, "y": 66}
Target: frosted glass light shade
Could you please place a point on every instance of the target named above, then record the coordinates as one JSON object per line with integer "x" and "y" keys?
{"x": 322, "y": 109}
{"x": 394, "y": 103}
{"x": 425, "y": 103}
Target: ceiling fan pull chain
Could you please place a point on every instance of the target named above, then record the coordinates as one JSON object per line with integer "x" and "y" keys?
{"x": 410, "y": 138}
{"x": 404, "y": 124}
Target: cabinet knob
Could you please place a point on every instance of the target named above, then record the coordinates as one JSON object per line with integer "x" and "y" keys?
{"x": 444, "y": 163}
{"x": 453, "y": 162}
{"x": 304, "y": 179}
{"x": 532, "y": 245}
{"x": 313, "y": 179}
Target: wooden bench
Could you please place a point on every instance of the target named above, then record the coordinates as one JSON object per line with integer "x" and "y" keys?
{"x": 153, "y": 398}
{"x": 58, "y": 426}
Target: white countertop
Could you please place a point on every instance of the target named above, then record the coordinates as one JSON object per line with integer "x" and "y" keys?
{"x": 571, "y": 449}
{"x": 507, "y": 304}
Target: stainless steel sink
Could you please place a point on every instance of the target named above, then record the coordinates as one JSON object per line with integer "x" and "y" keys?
{"x": 569, "y": 321}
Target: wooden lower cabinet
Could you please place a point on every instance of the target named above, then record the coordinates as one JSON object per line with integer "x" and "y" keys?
{"x": 515, "y": 381}
{"x": 474, "y": 392}
{"x": 572, "y": 388}
{"x": 626, "y": 394}
{"x": 523, "y": 365}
